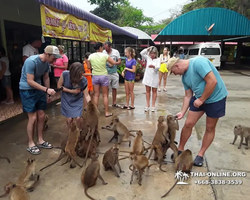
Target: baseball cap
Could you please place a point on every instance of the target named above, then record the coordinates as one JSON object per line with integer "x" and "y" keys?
{"x": 171, "y": 62}
{"x": 50, "y": 49}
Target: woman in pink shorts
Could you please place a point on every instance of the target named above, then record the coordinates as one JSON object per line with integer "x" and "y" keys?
{"x": 97, "y": 61}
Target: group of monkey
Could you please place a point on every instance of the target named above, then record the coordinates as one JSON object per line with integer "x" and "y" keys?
{"x": 83, "y": 139}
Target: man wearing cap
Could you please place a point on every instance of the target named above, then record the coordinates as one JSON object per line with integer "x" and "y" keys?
{"x": 35, "y": 96}
{"x": 205, "y": 92}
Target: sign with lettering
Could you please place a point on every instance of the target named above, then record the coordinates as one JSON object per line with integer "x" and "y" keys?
{"x": 98, "y": 34}
{"x": 65, "y": 26}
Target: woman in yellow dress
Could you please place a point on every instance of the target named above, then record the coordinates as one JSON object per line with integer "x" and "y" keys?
{"x": 163, "y": 71}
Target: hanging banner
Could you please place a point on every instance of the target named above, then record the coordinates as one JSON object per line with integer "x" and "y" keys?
{"x": 65, "y": 26}
{"x": 98, "y": 34}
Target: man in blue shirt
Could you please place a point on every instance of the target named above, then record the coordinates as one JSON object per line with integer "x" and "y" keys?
{"x": 205, "y": 92}
{"x": 33, "y": 94}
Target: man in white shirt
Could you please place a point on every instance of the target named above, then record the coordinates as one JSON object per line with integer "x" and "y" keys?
{"x": 112, "y": 71}
{"x": 31, "y": 48}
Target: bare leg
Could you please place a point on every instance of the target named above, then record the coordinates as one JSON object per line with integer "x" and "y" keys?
{"x": 160, "y": 78}
{"x": 114, "y": 93}
{"x": 69, "y": 121}
{"x": 148, "y": 91}
{"x": 209, "y": 135}
{"x": 131, "y": 92}
{"x": 154, "y": 90}
{"x": 127, "y": 93}
{"x": 9, "y": 94}
{"x": 105, "y": 99}
{"x": 165, "y": 81}
{"x": 186, "y": 131}
{"x": 40, "y": 126}
{"x": 30, "y": 128}
{"x": 96, "y": 94}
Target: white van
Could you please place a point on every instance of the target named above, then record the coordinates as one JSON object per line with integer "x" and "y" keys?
{"x": 212, "y": 51}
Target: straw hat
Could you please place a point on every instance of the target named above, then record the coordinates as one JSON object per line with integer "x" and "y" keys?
{"x": 171, "y": 62}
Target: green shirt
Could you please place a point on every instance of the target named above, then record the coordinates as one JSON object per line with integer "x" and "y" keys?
{"x": 98, "y": 63}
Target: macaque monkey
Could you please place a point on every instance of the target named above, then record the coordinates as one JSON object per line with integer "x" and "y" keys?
{"x": 16, "y": 192}
{"x": 184, "y": 163}
{"x": 161, "y": 137}
{"x": 90, "y": 175}
{"x": 29, "y": 179}
{"x": 92, "y": 119}
{"x": 6, "y": 158}
{"x": 110, "y": 159}
{"x": 243, "y": 132}
{"x": 173, "y": 126}
{"x": 121, "y": 132}
{"x": 70, "y": 147}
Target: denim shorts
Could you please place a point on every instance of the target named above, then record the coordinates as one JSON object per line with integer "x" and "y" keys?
{"x": 212, "y": 110}
{"x": 6, "y": 81}
{"x": 33, "y": 100}
{"x": 102, "y": 80}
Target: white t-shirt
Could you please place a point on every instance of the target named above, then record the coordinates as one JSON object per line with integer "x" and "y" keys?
{"x": 29, "y": 50}
{"x": 115, "y": 55}
{"x": 6, "y": 60}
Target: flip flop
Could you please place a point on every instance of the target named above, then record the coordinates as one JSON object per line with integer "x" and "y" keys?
{"x": 33, "y": 149}
{"x": 116, "y": 105}
{"x": 124, "y": 107}
{"x": 45, "y": 145}
{"x": 109, "y": 115}
{"x": 130, "y": 108}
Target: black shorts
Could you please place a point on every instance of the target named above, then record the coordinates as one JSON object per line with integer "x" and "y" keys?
{"x": 33, "y": 100}
{"x": 212, "y": 110}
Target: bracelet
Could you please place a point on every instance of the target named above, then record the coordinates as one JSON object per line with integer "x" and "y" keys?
{"x": 46, "y": 90}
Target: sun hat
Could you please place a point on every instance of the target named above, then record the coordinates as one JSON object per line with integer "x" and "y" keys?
{"x": 171, "y": 62}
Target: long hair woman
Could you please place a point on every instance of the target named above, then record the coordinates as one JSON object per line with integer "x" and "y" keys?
{"x": 163, "y": 71}
{"x": 151, "y": 75}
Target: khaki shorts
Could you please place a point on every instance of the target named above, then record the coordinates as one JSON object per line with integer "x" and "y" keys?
{"x": 113, "y": 80}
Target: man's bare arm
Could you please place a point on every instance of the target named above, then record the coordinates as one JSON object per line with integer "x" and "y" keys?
{"x": 34, "y": 84}
{"x": 46, "y": 80}
{"x": 186, "y": 100}
{"x": 210, "y": 86}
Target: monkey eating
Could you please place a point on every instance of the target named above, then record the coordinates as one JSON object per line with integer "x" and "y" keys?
{"x": 6, "y": 158}
{"x": 90, "y": 175}
{"x": 70, "y": 146}
{"x": 183, "y": 163}
{"x": 161, "y": 138}
{"x": 110, "y": 159}
{"x": 16, "y": 192}
{"x": 243, "y": 132}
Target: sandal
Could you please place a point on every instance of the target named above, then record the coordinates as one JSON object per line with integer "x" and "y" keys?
{"x": 116, "y": 105}
{"x": 198, "y": 161}
{"x": 109, "y": 115}
{"x": 45, "y": 145}
{"x": 130, "y": 108}
{"x": 124, "y": 107}
{"x": 33, "y": 149}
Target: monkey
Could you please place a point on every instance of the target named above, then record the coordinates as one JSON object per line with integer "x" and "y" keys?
{"x": 173, "y": 126}
{"x": 6, "y": 158}
{"x": 184, "y": 163}
{"x": 29, "y": 179}
{"x": 45, "y": 125}
{"x": 121, "y": 133}
{"x": 110, "y": 159}
{"x": 92, "y": 118}
{"x": 139, "y": 162}
{"x": 161, "y": 137}
{"x": 16, "y": 192}
{"x": 90, "y": 174}
{"x": 68, "y": 147}
{"x": 243, "y": 132}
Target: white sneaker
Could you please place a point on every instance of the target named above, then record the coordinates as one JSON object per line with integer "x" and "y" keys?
{"x": 159, "y": 89}
{"x": 146, "y": 109}
{"x": 153, "y": 109}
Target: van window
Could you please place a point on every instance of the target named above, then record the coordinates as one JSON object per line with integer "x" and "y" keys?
{"x": 193, "y": 51}
{"x": 210, "y": 51}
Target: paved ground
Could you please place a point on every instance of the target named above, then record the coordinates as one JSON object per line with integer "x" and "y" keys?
{"x": 62, "y": 183}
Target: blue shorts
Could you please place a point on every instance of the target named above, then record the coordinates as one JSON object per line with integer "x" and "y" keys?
{"x": 6, "y": 81}
{"x": 212, "y": 110}
{"x": 33, "y": 100}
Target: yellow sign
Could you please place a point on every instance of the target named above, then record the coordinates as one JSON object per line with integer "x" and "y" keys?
{"x": 98, "y": 34}
{"x": 65, "y": 26}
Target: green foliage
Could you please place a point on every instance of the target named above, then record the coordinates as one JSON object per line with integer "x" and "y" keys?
{"x": 121, "y": 67}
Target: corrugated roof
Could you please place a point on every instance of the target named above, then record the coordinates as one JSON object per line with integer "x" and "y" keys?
{"x": 73, "y": 10}
{"x": 227, "y": 23}
{"x": 141, "y": 35}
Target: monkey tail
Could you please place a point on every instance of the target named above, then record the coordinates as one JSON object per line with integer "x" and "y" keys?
{"x": 132, "y": 130}
{"x": 6, "y": 158}
{"x": 4, "y": 195}
{"x": 85, "y": 191}
{"x": 146, "y": 142}
{"x": 170, "y": 189}
{"x": 131, "y": 135}
{"x": 124, "y": 158}
{"x": 125, "y": 151}
{"x": 61, "y": 156}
